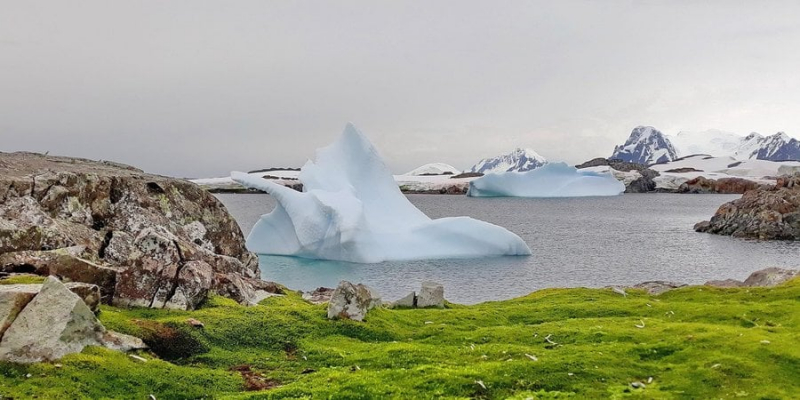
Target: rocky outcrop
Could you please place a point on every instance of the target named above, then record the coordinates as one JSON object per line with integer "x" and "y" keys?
{"x": 768, "y": 277}
{"x": 704, "y": 185}
{"x": 351, "y": 301}
{"x": 54, "y": 323}
{"x": 642, "y": 182}
{"x": 144, "y": 240}
{"x": 767, "y": 214}
{"x": 657, "y": 287}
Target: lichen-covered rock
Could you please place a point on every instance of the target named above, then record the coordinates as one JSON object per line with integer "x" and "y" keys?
{"x": 128, "y": 232}
{"x": 51, "y": 320}
{"x": 351, "y": 301}
{"x": 766, "y": 214}
{"x": 13, "y": 298}
{"x": 431, "y": 295}
{"x": 55, "y": 323}
{"x": 90, "y": 294}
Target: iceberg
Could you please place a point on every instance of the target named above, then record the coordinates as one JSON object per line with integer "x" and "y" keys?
{"x": 551, "y": 180}
{"x": 351, "y": 209}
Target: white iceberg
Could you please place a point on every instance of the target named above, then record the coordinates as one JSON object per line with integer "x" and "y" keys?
{"x": 551, "y": 180}
{"x": 352, "y": 210}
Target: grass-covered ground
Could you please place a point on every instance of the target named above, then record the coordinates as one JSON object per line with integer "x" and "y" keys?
{"x": 695, "y": 343}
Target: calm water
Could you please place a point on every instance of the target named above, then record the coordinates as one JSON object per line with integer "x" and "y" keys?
{"x": 591, "y": 242}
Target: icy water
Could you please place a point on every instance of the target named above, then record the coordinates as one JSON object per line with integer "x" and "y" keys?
{"x": 590, "y": 242}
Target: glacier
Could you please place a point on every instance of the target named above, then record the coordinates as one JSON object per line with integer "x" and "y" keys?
{"x": 351, "y": 209}
{"x": 551, "y": 180}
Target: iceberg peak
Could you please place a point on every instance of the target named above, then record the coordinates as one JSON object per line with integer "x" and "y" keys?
{"x": 351, "y": 209}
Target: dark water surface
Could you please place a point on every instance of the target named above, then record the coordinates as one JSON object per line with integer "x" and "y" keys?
{"x": 591, "y": 242}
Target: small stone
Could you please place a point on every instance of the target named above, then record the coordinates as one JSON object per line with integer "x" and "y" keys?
{"x": 351, "y": 301}
{"x": 195, "y": 323}
{"x": 637, "y": 385}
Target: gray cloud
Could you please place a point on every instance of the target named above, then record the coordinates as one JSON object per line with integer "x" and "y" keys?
{"x": 196, "y": 88}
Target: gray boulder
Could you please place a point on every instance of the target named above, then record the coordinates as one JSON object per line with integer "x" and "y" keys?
{"x": 769, "y": 277}
{"x": 90, "y": 294}
{"x": 13, "y": 298}
{"x": 55, "y": 323}
{"x": 431, "y": 295}
{"x": 410, "y": 301}
{"x": 351, "y": 301}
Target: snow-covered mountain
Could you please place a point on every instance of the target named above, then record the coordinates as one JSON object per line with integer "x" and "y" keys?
{"x": 712, "y": 142}
{"x": 646, "y": 145}
{"x": 777, "y": 147}
{"x": 434, "y": 169}
{"x": 518, "y": 160}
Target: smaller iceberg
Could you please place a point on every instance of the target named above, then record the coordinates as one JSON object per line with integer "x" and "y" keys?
{"x": 351, "y": 209}
{"x": 551, "y": 180}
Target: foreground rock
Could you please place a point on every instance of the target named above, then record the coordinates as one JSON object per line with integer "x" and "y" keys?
{"x": 351, "y": 301}
{"x": 767, "y": 277}
{"x": 657, "y": 287}
{"x": 319, "y": 295}
{"x": 767, "y": 214}
{"x": 144, "y": 240}
{"x": 430, "y": 295}
{"x": 54, "y": 323}
{"x": 90, "y": 294}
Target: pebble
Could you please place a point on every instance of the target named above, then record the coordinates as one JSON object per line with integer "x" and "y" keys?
{"x": 637, "y": 385}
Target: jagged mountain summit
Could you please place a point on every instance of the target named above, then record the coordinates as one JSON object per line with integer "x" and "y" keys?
{"x": 777, "y": 147}
{"x": 519, "y": 160}
{"x": 646, "y": 145}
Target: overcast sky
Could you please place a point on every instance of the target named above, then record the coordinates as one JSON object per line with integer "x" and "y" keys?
{"x": 198, "y": 88}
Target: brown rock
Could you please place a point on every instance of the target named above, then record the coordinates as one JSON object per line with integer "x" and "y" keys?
{"x": 767, "y": 214}
{"x": 319, "y": 295}
{"x": 719, "y": 186}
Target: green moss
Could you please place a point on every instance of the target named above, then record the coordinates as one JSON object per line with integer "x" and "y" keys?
{"x": 22, "y": 280}
{"x": 696, "y": 342}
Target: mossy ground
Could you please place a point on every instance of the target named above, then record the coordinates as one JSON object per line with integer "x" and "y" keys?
{"x": 696, "y": 342}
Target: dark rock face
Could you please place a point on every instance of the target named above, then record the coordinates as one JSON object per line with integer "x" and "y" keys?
{"x": 719, "y": 186}
{"x": 646, "y": 145}
{"x": 145, "y": 240}
{"x": 766, "y": 214}
{"x": 644, "y": 184}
